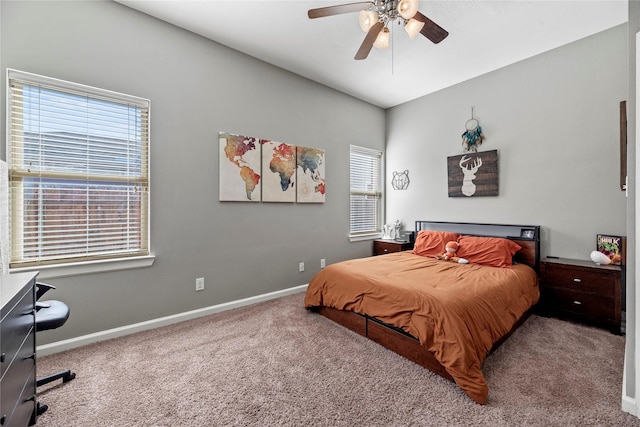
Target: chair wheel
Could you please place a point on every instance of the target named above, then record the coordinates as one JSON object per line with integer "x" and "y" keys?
{"x": 42, "y": 408}
{"x": 68, "y": 377}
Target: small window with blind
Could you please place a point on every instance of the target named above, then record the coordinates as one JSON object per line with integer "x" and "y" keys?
{"x": 78, "y": 172}
{"x": 365, "y": 167}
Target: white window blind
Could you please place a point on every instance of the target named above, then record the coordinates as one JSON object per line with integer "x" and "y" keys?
{"x": 78, "y": 172}
{"x": 366, "y": 191}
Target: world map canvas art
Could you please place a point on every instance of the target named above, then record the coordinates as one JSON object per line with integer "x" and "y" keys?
{"x": 311, "y": 175}
{"x": 279, "y": 171}
{"x": 239, "y": 168}
{"x": 254, "y": 170}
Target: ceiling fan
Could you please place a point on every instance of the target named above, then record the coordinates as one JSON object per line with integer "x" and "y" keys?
{"x": 376, "y": 16}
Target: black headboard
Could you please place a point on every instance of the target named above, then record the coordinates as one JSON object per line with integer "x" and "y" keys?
{"x": 527, "y": 236}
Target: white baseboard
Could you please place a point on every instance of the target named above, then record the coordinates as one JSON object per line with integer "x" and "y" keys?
{"x": 629, "y": 405}
{"x": 58, "y": 346}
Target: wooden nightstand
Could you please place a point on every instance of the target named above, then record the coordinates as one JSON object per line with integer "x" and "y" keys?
{"x": 381, "y": 247}
{"x": 582, "y": 290}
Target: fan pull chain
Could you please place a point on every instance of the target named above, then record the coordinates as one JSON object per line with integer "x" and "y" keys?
{"x": 393, "y": 42}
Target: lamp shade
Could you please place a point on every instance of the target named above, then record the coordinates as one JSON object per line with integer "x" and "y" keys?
{"x": 382, "y": 41}
{"x": 367, "y": 19}
{"x": 413, "y": 27}
{"x": 408, "y": 8}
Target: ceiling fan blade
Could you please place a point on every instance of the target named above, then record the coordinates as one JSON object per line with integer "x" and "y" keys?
{"x": 338, "y": 9}
{"x": 367, "y": 43}
{"x": 431, "y": 30}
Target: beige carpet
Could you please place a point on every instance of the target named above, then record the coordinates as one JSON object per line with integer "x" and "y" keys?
{"x": 275, "y": 364}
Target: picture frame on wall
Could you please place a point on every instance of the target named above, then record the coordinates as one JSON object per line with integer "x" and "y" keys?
{"x": 261, "y": 170}
{"x": 310, "y": 173}
{"x": 239, "y": 168}
{"x": 473, "y": 174}
{"x": 278, "y": 171}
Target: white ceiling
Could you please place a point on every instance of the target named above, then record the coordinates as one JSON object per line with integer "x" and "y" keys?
{"x": 484, "y": 35}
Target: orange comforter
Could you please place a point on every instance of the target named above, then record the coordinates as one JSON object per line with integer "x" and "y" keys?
{"x": 457, "y": 311}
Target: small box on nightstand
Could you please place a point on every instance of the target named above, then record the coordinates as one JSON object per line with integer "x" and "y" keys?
{"x": 407, "y": 236}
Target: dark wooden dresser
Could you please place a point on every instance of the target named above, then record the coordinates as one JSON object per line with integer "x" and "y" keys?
{"x": 18, "y": 350}
{"x": 381, "y": 247}
{"x": 583, "y": 291}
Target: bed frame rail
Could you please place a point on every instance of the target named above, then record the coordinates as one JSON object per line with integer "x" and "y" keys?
{"x": 397, "y": 340}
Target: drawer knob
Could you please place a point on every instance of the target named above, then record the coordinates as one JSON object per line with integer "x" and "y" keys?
{"x": 577, "y": 280}
{"x": 386, "y": 250}
{"x": 577, "y": 303}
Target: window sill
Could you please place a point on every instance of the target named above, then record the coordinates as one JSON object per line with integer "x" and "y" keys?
{"x": 89, "y": 267}
{"x": 363, "y": 237}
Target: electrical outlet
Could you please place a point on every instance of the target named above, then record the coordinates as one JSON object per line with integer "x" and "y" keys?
{"x": 301, "y": 267}
{"x": 323, "y": 263}
{"x": 200, "y": 284}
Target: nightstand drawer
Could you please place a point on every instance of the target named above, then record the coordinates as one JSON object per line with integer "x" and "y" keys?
{"x": 587, "y": 305}
{"x": 381, "y": 247}
{"x": 587, "y": 281}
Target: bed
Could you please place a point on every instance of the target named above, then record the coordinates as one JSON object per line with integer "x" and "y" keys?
{"x": 444, "y": 316}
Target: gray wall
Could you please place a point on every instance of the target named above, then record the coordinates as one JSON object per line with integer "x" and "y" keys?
{"x": 554, "y": 120}
{"x": 197, "y": 88}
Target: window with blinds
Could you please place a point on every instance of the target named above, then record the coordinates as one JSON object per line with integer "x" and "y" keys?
{"x": 365, "y": 167}
{"x": 78, "y": 172}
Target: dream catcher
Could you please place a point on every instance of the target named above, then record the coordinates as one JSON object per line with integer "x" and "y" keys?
{"x": 472, "y": 136}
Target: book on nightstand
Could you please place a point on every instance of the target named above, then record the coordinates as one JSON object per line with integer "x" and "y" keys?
{"x": 613, "y": 247}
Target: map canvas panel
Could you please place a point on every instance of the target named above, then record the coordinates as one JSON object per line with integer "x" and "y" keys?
{"x": 239, "y": 168}
{"x": 278, "y": 171}
{"x": 310, "y": 173}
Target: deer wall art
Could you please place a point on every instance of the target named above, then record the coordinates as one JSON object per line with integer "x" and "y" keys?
{"x": 473, "y": 175}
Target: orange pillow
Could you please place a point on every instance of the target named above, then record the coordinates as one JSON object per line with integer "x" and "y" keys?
{"x": 431, "y": 242}
{"x": 491, "y": 251}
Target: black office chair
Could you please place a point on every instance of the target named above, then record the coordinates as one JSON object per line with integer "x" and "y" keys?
{"x": 50, "y": 314}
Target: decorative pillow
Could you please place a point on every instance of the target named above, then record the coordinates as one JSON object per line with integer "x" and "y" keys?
{"x": 431, "y": 242}
{"x": 490, "y": 251}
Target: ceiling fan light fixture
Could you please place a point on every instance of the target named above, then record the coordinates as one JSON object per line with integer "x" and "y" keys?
{"x": 367, "y": 19}
{"x": 375, "y": 18}
{"x": 413, "y": 27}
{"x": 382, "y": 41}
{"x": 408, "y": 8}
